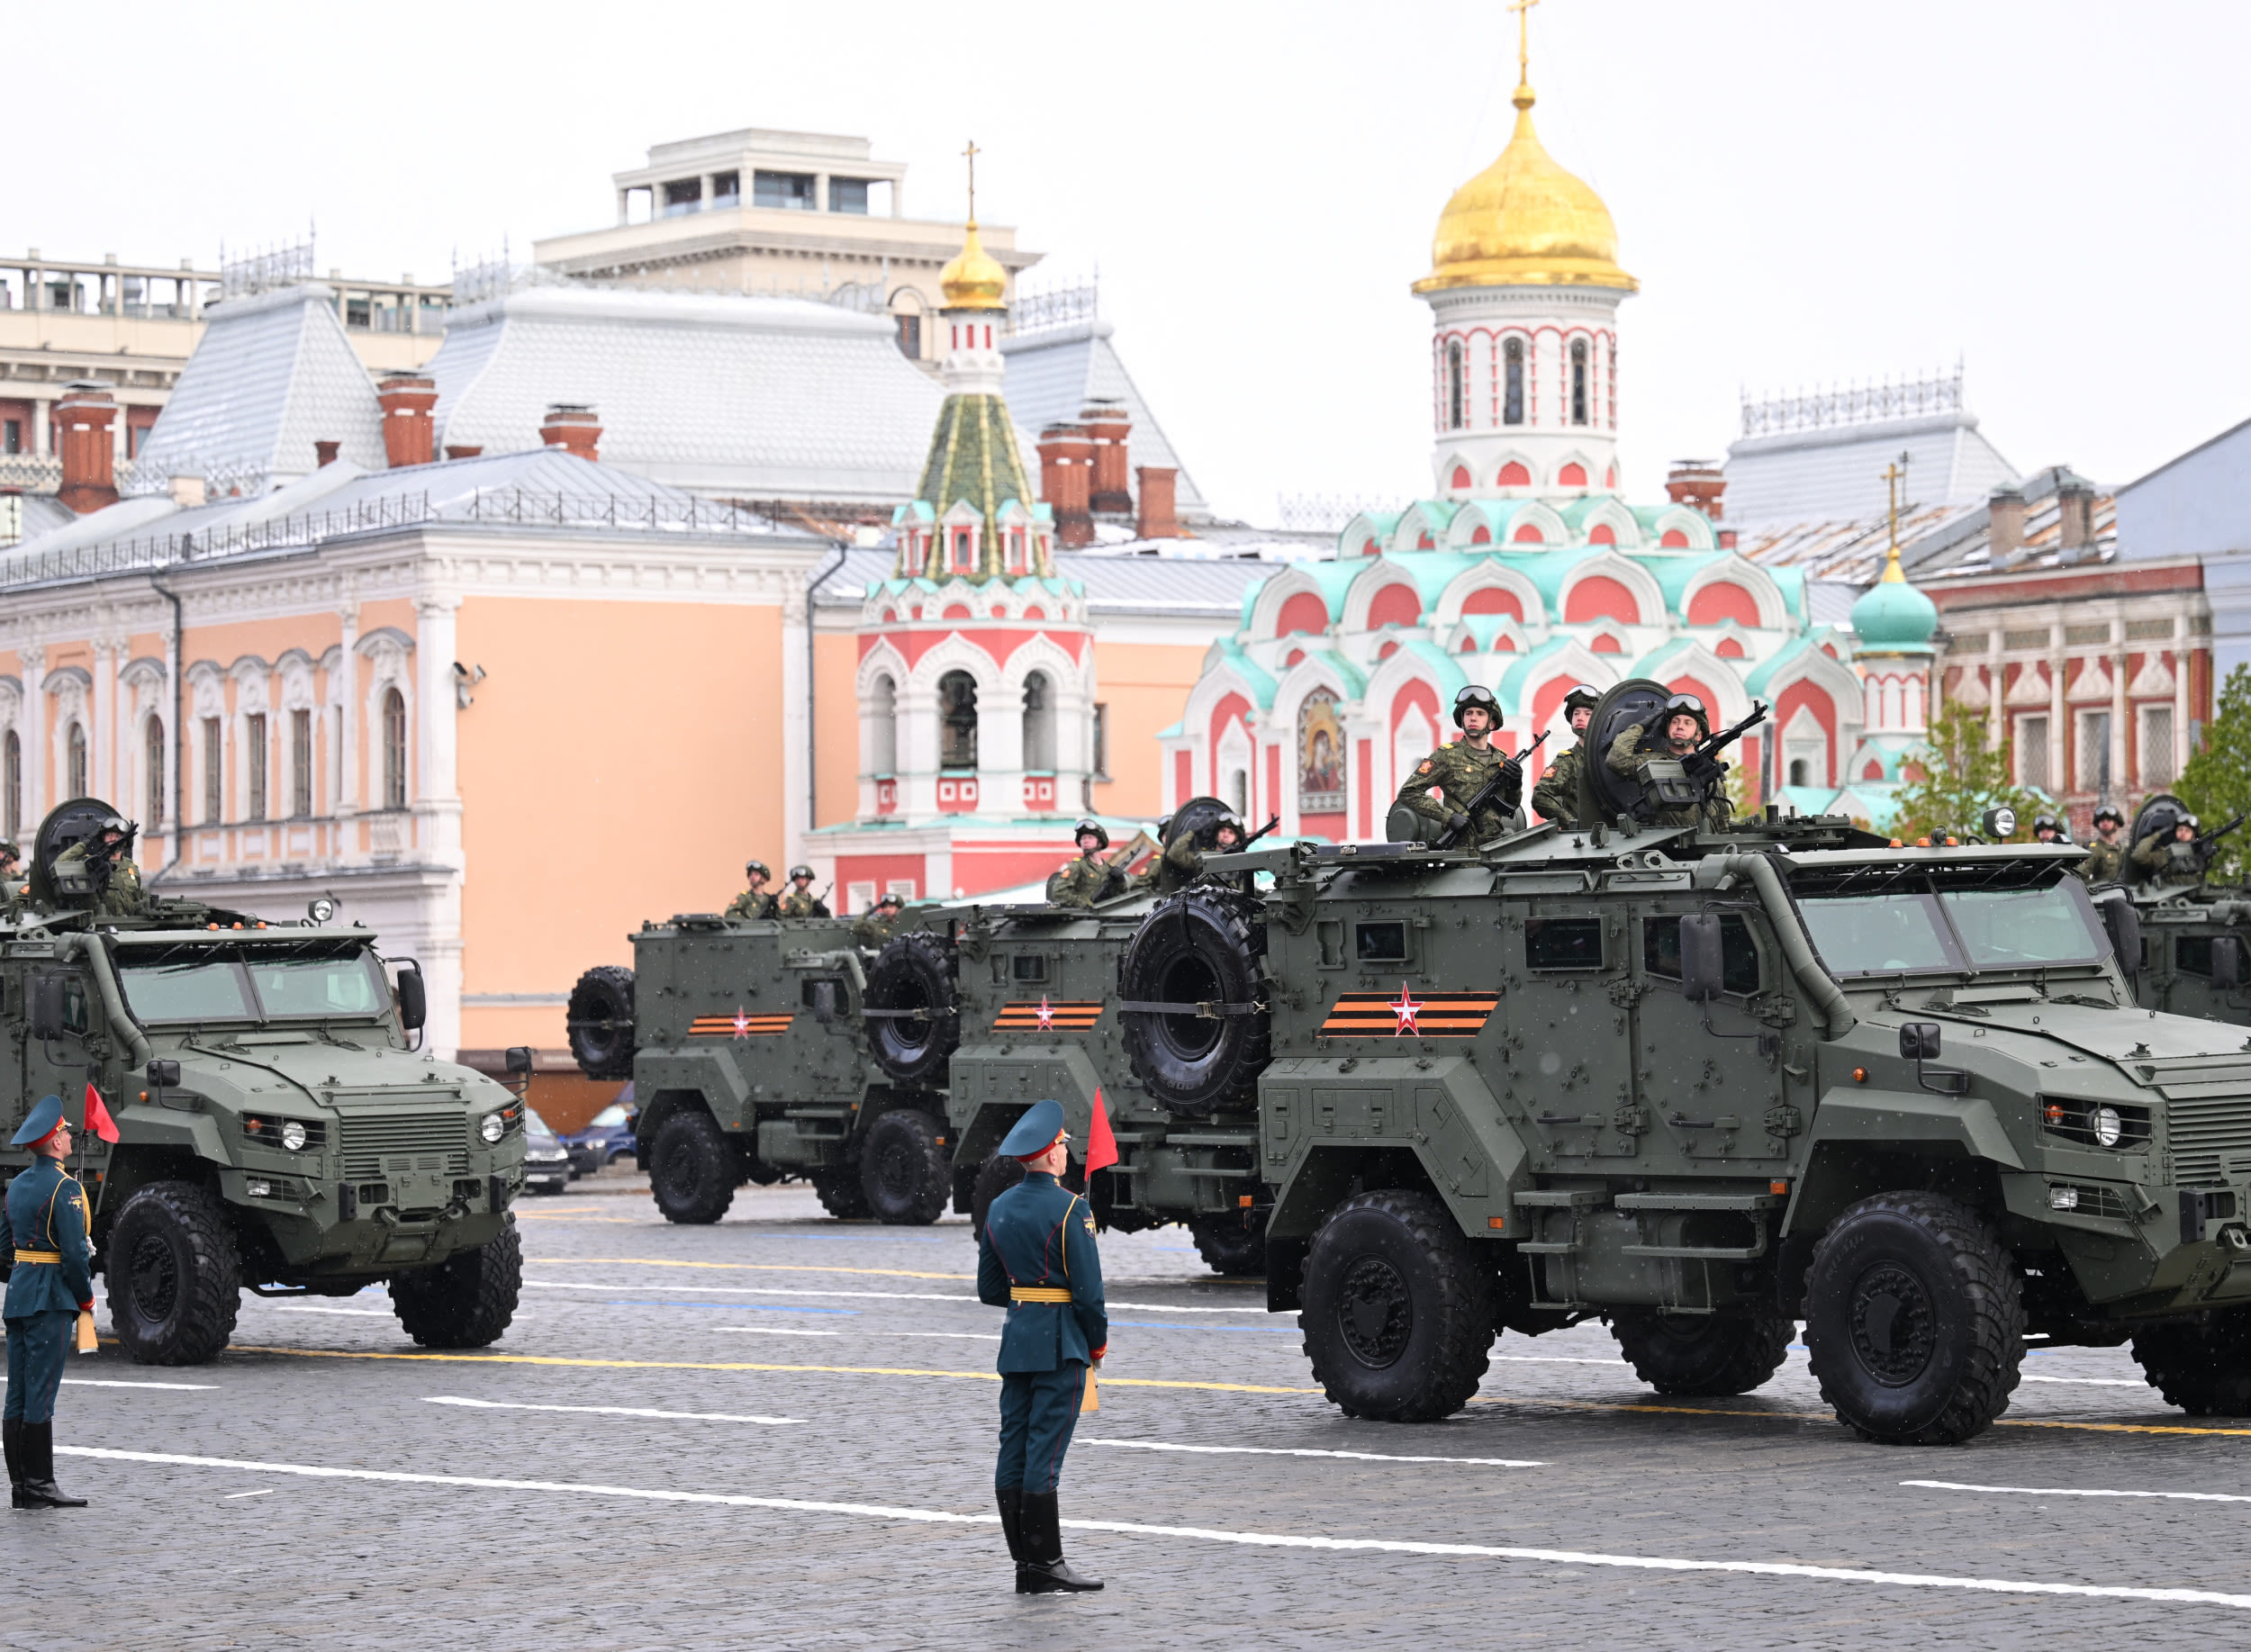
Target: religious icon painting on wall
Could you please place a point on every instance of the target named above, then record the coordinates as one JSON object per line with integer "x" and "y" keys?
{"x": 1320, "y": 755}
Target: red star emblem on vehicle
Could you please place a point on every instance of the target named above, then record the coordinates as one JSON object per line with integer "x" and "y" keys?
{"x": 1047, "y": 1015}
{"x": 1405, "y": 1009}
{"x": 742, "y": 1025}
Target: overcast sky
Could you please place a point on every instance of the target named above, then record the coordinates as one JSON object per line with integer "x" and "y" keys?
{"x": 1808, "y": 190}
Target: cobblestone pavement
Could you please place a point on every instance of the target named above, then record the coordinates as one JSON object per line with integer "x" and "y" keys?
{"x": 777, "y": 1431}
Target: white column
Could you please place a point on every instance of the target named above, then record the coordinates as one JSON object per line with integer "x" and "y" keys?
{"x": 347, "y": 763}
{"x": 436, "y": 810}
{"x": 2121, "y": 782}
{"x": 2056, "y": 666}
{"x": 2183, "y": 659}
{"x": 797, "y": 694}
{"x": 42, "y": 416}
{"x": 33, "y": 735}
{"x": 174, "y": 715}
{"x": 102, "y": 775}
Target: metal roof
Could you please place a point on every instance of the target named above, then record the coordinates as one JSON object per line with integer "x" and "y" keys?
{"x": 1115, "y": 586}
{"x": 1051, "y": 375}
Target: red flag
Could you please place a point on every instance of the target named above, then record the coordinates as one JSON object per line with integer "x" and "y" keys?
{"x": 98, "y": 1119}
{"x": 1102, "y": 1145}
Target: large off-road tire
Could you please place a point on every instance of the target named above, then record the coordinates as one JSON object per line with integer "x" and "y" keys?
{"x": 995, "y": 1177}
{"x": 599, "y": 1020}
{"x": 1915, "y": 1319}
{"x": 2201, "y": 1365}
{"x": 905, "y": 1175}
{"x": 840, "y": 1193}
{"x": 1703, "y": 1353}
{"x": 1229, "y": 1245}
{"x": 467, "y": 1300}
{"x": 174, "y": 1275}
{"x": 1202, "y": 945}
{"x": 1399, "y": 1312}
{"x": 692, "y": 1167}
{"x": 914, "y": 971}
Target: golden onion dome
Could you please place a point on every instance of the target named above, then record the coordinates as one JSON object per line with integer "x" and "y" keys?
{"x": 1525, "y": 221}
{"x": 974, "y": 279}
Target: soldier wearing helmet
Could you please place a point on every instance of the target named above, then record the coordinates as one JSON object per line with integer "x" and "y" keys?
{"x": 872, "y": 928}
{"x": 2047, "y": 829}
{"x": 2106, "y": 856}
{"x": 107, "y": 855}
{"x": 1461, "y": 768}
{"x": 1182, "y": 862}
{"x": 799, "y": 899}
{"x": 1086, "y": 878}
{"x": 753, "y": 901}
{"x": 1556, "y": 797}
{"x": 2172, "y": 859}
{"x": 1673, "y": 731}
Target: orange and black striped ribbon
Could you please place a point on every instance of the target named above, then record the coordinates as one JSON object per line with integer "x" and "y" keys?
{"x": 1061, "y": 1017}
{"x": 753, "y": 1026}
{"x": 1436, "y": 1015}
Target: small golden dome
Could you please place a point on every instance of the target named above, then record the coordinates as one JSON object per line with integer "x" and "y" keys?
{"x": 974, "y": 279}
{"x": 1525, "y": 221}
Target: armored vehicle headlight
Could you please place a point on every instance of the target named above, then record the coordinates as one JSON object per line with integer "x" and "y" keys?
{"x": 293, "y": 1134}
{"x": 2107, "y": 1127}
{"x": 258, "y": 1189}
{"x": 493, "y": 1127}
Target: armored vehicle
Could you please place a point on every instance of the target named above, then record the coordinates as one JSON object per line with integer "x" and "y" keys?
{"x": 278, "y": 1126}
{"x": 2192, "y": 958}
{"x": 743, "y": 1037}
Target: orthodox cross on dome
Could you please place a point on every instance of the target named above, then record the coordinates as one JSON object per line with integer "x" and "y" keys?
{"x": 970, "y": 153}
{"x": 1523, "y": 8}
{"x": 1894, "y": 478}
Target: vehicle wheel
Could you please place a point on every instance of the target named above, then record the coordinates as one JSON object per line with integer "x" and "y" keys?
{"x": 840, "y": 1194}
{"x": 905, "y": 1175}
{"x": 174, "y": 1275}
{"x": 467, "y": 1300}
{"x": 692, "y": 1171}
{"x": 1703, "y": 1353}
{"x": 1915, "y": 1319}
{"x": 995, "y": 1177}
{"x": 1229, "y": 1245}
{"x": 1398, "y": 1315}
{"x": 2203, "y": 1365}
{"x": 914, "y": 971}
{"x": 1202, "y": 945}
{"x": 600, "y": 1022}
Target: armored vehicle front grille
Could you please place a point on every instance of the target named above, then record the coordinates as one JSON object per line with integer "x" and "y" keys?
{"x": 2208, "y": 1117}
{"x": 405, "y": 1141}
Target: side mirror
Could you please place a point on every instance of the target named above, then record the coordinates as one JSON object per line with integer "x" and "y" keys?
{"x": 46, "y": 1006}
{"x": 413, "y": 1001}
{"x": 518, "y": 1060}
{"x": 2124, "y": 924}
{"x": 1918, "y": 1042}
{"x": 163, "y": 1075}
{"x": 2227, "y": 962}
{"x": 1703, "y": 966}
{"x": 825, "y": 1002}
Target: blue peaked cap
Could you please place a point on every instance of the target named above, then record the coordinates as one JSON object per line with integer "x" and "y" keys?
{"x": 1035, "y": 1131}
{"x": 42, "y": 1121}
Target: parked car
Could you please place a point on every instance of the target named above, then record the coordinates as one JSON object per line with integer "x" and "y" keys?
{"x": 547, "y": 1167}
{"x": 608, "y": 1136}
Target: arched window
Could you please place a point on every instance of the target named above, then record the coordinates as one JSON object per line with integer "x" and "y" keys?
{"x": 12, "y": 779}
{"x": 1239, "y": 790}
{"x": 1513, "y": 382}
{"x": 394, "y": 749}
{"x": 1578, "y": 381}
{"x": 1513, "y": 475}
{"x": 958, "y": 720}
{"x": 75, "y": 766}
{"x": 884, "y": 728}
{"x": 1798, "y": 772}
{"x": 1457, "y": 387}
{"x": 1039, "y": 725}
{"x": 152, "y": 738}
{"x": 965, "y": 551}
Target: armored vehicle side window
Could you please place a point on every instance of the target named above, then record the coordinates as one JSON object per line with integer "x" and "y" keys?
{"x": 320, "y": 987}
{"x": 1739, "y": 953}
{"x": 2192, "y": 954}
{"x": 1030, "y": 967}
{"x": 1868, "y": 934}
{"x": 1565, "y": 943}
{"x": 73, "y": 1004}
{"x": 2014, "y": 928}
{"x": 1381, "y": 943}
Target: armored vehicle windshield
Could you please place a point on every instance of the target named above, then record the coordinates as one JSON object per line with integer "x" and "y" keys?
{"x": 196, "y": 980}
{"x": 1914, "y": 922}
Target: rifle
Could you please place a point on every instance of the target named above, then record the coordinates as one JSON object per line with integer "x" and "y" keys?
{"x": 1702, "y": 764}
{"x": 1254, "y": 836}
{"x": 2203, "y": 843}
{"x": 1512, "y": 769}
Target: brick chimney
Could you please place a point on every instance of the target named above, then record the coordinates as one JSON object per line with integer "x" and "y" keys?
{"x": 573, "y": 426}
{"x": 410, "y": 435}
{"x": 2005, "y": 510}
{"x": 1066, "y": 472}
{"x": 1697, "y": 483}
{"x": 2074, "y": 518}
{"x": 1157, "y": 520}
{"x": 324, "y": 454}
{"x": 84, "y": 416}
{"x": 1108, "y": 422}
{"x": 453, "y": 452}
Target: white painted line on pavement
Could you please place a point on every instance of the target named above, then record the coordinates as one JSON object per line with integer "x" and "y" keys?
{"x": 1254, "y": 1540}
{"x": 608, "y": 1411}
{"x": 1552, "y": 1359}
{"x": 103, "y": 1382}
{"x": 230, "y": 1496}
{"x": 2075, "y": 1491}
{"x": 300, "y": 1307}
{"x": 2088, "y": 1382}
{"x": 753, "y": 1290}
{"x": 768, "y": 1330}
{"x": 1358, "y": 1457}
{"x": 949, "y": 1336}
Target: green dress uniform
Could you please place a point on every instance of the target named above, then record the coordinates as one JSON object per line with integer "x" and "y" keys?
{"x": 1461, "y": 771}
{"x": 1626, "y": 757}
{"x": 2105, "y": 863}
{"x": 1085, "y": 879}
{"x": 1036, "y": 1258}
{"x": 2162, "y": 863}
{"x": 1556, "y": 797}
{"x": 50, "y": 1282}
{"x": 752, "y": 903}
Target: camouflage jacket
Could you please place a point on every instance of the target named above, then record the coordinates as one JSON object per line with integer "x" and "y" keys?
{"x": 122, "y": 896}
{"x": 796, "y": 904}
{"x": 871, "y": 930}
{"x": 1461, "y": 771}
{"x": 1556, "y": 797}
{"x": 2105, "y": 863}
{"x": 752, "y": 903}
{"x": 1181, "y": 865}
{"x": 1082, "y": 880}
{"x": 2162, "y": 863}
{"x": 1626, "y": 757}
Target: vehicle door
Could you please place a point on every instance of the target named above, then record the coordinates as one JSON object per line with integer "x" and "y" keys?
{"x": 1709, "y": 1074}
{"x": 63, "y": 1017}
{"x": 1570, "y": 1031}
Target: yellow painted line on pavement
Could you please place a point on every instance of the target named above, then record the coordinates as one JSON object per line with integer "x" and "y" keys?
{"x": 1826, "y": 1416}
{"x": 651, "y": 1262}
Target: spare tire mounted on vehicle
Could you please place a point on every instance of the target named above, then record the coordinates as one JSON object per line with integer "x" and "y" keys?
{"x": 913, "y": 1017}
{"x": 1197, "y": 1028}
{"x": 600, "y": 1022}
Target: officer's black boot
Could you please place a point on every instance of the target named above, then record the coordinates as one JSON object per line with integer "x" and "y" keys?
{"x": 1011, "y": 1501}
{"x": 40, "y": 1490}
{"x": 11, "y": 1434}
{"x": 1048, "y": 1572}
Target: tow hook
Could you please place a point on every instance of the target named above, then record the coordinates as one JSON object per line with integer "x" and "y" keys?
{"x": 2235, "y": 1238}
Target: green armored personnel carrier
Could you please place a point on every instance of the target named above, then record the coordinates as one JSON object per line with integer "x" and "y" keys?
{"x": 279, "y": 1129}
{"x": 2192, "y": 958}
{"x": 744, "y": 1040}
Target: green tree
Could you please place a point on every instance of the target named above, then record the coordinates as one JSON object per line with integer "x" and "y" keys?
{"x": 2217, "y": 783}
{"x": 1962, "y": 777}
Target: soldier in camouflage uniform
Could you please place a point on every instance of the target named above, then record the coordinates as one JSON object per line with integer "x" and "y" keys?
{"x": 1461, "y": 768}
{"x": 1683, "y": 727}
{"x": 799, "y": 900}
{"x": 753, "y": 901}
{"x": 1184, "y": 860}
{"x": 2171, "y": 859}
{"x": 872, "y": 928}
{"x": 1556, "y": 797}
{"x": 108, "y": 857}
{"x": 2106, "y": 856}
{"x": 2047, "y": 829}
{"x": 1086, "y": 879}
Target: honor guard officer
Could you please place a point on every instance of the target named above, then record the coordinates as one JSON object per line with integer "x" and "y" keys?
{"x": 1086, "y": 878}
{"x": 753, "y": 901}
{"x": 2106, "y": 856}
{"x": 51, "y": 1284}
{"x": 1036, "y": 1258}
{"x": 799, "y": 899}
{"x": 1556, "y": 797}
{"x": 873, "y": 929}
{"x": 1460, "y": 768}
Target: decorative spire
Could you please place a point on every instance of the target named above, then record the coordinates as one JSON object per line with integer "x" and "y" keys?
{"x": 1523, "y": 8}
{"x": 1894, "y": 473}
{"x": 974, "y": 279}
